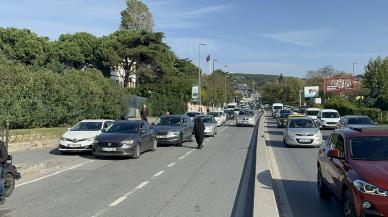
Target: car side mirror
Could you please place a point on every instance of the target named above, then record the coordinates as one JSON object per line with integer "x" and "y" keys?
{"x": 334, "y": 153}
{"x": 103, "y": 130}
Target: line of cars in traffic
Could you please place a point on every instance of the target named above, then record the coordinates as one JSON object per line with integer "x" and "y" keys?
{"x": 352, "y": 165}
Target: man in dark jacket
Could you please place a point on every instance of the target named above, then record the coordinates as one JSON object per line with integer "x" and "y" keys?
{"x": 199, "y": 131}
{"x": 3, "y": 160}
{"x": 144, "y": 113}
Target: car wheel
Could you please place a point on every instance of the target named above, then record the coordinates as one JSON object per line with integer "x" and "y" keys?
{"x": 154, "y": 145}
{"x": 9, "y": 184}
{"x": 180, "y": 141}
{"x": 136, "y": 153}
{"x": 322, "y": 189}
{"x": 349, "y": 209}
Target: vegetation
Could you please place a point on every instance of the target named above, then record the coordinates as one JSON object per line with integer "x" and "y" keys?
{"x": 137, "y": 17}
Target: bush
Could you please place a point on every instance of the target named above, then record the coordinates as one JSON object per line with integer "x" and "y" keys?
{"x": 342, "y": 105}
{"x": 373, "y": 113}
{"x": 31, "y": 97}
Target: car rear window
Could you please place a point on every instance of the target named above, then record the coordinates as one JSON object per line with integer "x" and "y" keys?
{"x": 330, "y": 115}
{"x": 369, "y": 148}
{"x": 312, "y": 113}
{"x": 284, "y": 115}
{"x": 246, "y": 113}
{"x": 361, "y": 120}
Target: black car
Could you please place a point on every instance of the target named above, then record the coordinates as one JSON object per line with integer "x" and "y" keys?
{"x": 125, "y": 138}
{"x": 174, "y": 129}
{"x": 282, "y": 120}
{"x": 230, "y": 115}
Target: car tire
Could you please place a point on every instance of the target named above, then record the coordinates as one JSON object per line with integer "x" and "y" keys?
{"x": 136, "y": 153}
{"x": 348, "y": 204}
{"x": 154, "y": 145}
{"x": 9, "y": 184}
{"x": 180, "y": 141}
{"x": 322, "y": 188}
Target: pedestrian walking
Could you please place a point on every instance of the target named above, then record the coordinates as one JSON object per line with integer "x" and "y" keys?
{"x": 3, "y": 160}
{"x": 144, "y": 113}
{"x": 199, "y": 131}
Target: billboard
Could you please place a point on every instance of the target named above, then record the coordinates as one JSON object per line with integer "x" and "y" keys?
{"x": 194, "y": 93}
{"x": 339, "y": 84}
{"x": 311, "y": 92}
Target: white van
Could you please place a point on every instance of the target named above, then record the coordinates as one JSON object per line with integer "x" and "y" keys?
{"x": 312, "y": 113}
{"x": 328, "y": 118}
{"x": 277, "y": 106}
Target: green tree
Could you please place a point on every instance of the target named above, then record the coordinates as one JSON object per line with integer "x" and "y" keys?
{"x": 137, "y": 17}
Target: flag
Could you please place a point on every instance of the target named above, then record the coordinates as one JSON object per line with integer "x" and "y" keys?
{"x": 208, "y": 58}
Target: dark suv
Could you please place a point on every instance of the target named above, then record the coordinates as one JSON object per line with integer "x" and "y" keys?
{"x": 353, "y": 166}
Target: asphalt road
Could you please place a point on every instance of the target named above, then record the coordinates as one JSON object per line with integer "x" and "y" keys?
{"x": 171, "y": 182}
{"x": 297, "y": 168}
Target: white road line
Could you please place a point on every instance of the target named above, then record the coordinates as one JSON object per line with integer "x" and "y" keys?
{"x": 53, "y": 174}
{"x": 171, "y": 164}
{"x": 158, "y": 173}
{"x": 142, "y": 184}
{"x": 182, "y": 157}
{"x": 189, "y": 152}
{"x": 116, "y": 202}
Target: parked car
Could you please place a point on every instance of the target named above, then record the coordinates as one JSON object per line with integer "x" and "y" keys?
{"x": 352, "y": 166}
{"x": 312, "y": 113}
{"x": 210, "y": 124}
{"x": 282, "y": 120}
{"x": 328, "y": 118}
{"x": 192, "y": 114}
{"x": 354, "y": 120}
{"x": 125, "y": 138}
{"x": 174, "y": 129}
{"x": 302, "y": 131}
{"x": 246, "y": 118}
{"x": 80, "y": 137}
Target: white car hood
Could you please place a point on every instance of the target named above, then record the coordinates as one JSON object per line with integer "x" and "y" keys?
{"x": 81, "y": 134}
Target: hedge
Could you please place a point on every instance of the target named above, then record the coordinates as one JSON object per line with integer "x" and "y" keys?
{"x": 37, "y": 97}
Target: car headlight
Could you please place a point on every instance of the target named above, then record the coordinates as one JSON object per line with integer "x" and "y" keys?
{"x": 128, "y": 142}
{"x": 173, "y": 133}
{"x": 367, "y": 188}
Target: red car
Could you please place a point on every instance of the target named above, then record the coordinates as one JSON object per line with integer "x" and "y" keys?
{"x": 353, "y": 166}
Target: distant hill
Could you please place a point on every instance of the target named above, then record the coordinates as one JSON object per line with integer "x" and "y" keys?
{"x": 259, "y": 79}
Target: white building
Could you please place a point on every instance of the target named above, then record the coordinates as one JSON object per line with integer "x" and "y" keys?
{"x": 119, "y": 74}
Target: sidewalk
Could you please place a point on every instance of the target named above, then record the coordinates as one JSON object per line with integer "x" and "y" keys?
{"x": 265, "y": 202}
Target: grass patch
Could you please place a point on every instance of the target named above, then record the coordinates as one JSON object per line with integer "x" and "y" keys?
{"x": 56, "y": 131}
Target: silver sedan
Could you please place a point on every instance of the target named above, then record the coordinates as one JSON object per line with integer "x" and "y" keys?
{"x": 302, "y": 131}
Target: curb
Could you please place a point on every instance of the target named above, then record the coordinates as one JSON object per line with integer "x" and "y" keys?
{"x": 265, "y": 201}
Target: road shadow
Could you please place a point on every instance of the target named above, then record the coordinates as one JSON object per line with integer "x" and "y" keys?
{"x": 276, "y": 133}
{"x": 265, "y": 178}
{"x": 304, "y": 200}
{"x": 271, "y": 127}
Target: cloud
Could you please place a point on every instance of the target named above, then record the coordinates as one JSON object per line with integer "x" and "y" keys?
{"x": 301, "y": 38}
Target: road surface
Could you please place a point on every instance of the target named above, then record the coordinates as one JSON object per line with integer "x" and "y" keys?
{"x": 171, "y": 182}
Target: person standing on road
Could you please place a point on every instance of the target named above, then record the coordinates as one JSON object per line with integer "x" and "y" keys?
{"x": 3, "y": 160}
{"x": 144, "y": 113}
{"x": 199, "y": 131}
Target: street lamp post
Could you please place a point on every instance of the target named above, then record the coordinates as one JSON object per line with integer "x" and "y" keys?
{"x": 226, "y": 76}
{"x": 353, "y": 68}
{"x": 199, "y": 75}
{"x": 215, "y": 60}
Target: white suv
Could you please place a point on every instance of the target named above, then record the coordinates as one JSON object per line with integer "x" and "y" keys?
{"x": 81, "y": 136}
{"x": 328, "y": 118}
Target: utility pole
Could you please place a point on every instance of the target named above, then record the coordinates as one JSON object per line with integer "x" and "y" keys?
{"x": 213, "y": 85}
{"x": 226, "y": 76}
{"x": 199, "y": 75}
{"x": 300, "y": 98}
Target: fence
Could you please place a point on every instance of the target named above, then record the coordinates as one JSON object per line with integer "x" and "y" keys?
{"x": 4, "y": 134}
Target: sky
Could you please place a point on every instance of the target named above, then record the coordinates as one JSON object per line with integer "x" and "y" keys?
{"x": 250, "y": 36}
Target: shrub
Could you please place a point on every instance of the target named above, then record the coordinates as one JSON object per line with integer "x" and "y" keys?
{"x": 342, "y": 105}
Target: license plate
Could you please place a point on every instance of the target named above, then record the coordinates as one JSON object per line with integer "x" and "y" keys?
{"x": 109, "y": 149}
{"x": 160, "y": 137}
{"x": 245, "y": 122}
{"x": 304, "y": 140}
{"x": 74, "y": 145}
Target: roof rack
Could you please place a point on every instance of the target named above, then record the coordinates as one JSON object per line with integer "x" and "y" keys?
{"x": 363, "y": 129}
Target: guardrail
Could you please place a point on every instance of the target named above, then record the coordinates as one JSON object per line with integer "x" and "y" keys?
{"x": 244, "y": 202}
{"x": 4, "y": 134}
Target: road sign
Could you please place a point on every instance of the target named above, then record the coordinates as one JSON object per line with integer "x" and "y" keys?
{"x": 311, "y": 92}
{"x": 194, "y": 93}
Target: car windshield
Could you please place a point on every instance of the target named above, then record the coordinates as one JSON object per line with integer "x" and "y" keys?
{"x": 245, "y": 113}
{"x": 285, "y": 112}
{"x": 207, "y": 120}
{"x": 87, "y": 126}
{"x": 236, "y": 109}
{"x": 301, "y": 123}
{"x": 277, "y": 107}
{"x": 330, "y": 115}
{"x": 192, "y": 114}
{"x": 169, "y": 121}
{"x": 123, "y": 127}
{"x": 214, "y": 114}
{"x": 284, "y": 115}
{"x": 359, "y": 120}
{"x": 312, "y": 113}
{"x": 369, "y": 148}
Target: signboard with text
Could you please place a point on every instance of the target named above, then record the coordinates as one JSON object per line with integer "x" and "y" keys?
{"x": 194, "y": 93}
{"x": 311, "y": 92}
{"x": 339, "y": 84}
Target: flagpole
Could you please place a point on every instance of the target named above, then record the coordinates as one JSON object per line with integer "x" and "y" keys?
{"x": 199, "y": 75}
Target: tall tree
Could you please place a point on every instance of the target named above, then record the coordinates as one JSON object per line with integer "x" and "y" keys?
{"x": 376, "y": 77}
{"x": 137, "y": 16}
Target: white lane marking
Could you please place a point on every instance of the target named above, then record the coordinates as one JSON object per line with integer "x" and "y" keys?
{"x": 171, "y": 164}
{"x": 116, "y": 202}
{"x": 189, "y": 152}
{"x": 158, "y": 173}
{"x": 142, "y": 184}
{"x": 182, "y": 157}
{"x": 53, "y": 174}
